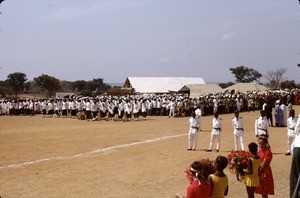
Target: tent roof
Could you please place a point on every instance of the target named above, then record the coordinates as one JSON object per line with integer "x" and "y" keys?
{"x": 244, "y": 87}
{"x": 159, "y": 84}
{"x": 196, "y": 90}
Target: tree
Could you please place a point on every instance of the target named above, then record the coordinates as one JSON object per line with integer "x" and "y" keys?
{"x": 245, "y": 74}
{"x": 275, "y": 77}
{"x": 47, "y": 83}
{"x": 288, "y": 84}
{"x": 225, "y": 85}
{"x": 16, "y": 82}
{"x": 90, "y": 88}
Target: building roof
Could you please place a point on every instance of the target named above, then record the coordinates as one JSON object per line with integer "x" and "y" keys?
{"x": 245, "y": 87}
{"x": 159, "y": 84}
{"x": 196, "y": 90}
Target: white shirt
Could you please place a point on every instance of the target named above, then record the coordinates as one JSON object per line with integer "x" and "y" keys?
{"x": 194, "y": 125}
{"x": 238, "y": 126}
{"x": 216, "y": 126}
{"x": 198, "y": 112}
{"x": 291, "y": 123}
{"x": 262, "y": 126}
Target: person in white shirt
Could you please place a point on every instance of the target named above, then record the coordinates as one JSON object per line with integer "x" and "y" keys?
{"x": 284, "y": 114}
{"x": 88, "y": 109}
{"x": 295, "y": 165}
{"x": 193, "y": 132}
{"x": 50, "y": 107}
{"x": 144, "y": 109}
{"x": 216, "y": 132}
{"x": 127, "y": 109}
{"x": 291, "y": 123}
{"x": 172, "y": 106}
{"x": 120, "y": 109}
{"x": 262, "y": 125}
{"x": 215, "y": 105}
{"x": 198, "y": 113}
{"x": 94, "y": 108}
{"x": 238, "y": 130}
{"x": 136, "y": 109}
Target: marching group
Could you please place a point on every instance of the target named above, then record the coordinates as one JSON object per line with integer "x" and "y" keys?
{"x": 258, "y": 176}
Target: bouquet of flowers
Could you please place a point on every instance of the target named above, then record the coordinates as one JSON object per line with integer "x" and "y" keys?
{"x": 237, "y": 161}
{"x": 207, "y": 169}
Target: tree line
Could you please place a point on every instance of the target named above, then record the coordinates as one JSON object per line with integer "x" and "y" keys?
{"x": 275, "y": 78}
{"x": 46, "y": 85}
{"x": 17, "y": 83}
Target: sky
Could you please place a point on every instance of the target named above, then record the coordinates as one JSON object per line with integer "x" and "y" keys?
{"x": 114, "y": 39}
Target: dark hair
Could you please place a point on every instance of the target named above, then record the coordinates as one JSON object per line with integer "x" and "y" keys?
{"x": 221, "y": 162}
{"x": 253, "y": 147}
{"x": 265, "y": 140}
{"x": 195, "y": 167}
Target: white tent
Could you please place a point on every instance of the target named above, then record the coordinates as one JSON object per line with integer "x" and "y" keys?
{"x": 245, "y": 87}
{"x": 196, "y": 90}
{"x": 159, "y": 84}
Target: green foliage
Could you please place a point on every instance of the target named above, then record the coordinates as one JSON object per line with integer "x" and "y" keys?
{"x": 244, "y": 74}
{"x": 90, "y": 88}
{"x": 225, "y": 85}
{"x": 288, "y": 84}
{"x": 16, "y": 82}
{"x": 47, "y": 83}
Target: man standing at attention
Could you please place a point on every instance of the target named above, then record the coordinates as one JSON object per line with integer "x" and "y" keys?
{"x": 291, "y": 123}
{"x": 198, "y": 113}
{"x": 193, "y": 132}
{"x": 238, "y": 130}
{"x": 216, "y": 132}
{"x": 262, "y": 125}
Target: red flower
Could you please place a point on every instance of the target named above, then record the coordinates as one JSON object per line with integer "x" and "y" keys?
{"x": 237, "y": 161}
{"x": 207, "y": 169}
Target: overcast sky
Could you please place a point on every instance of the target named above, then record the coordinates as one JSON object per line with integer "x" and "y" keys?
{"x": 113, "y": 39}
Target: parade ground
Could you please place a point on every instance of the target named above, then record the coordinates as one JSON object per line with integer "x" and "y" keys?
{"x": 56, "y": 157}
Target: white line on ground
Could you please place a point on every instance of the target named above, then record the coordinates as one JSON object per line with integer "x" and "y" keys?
{"x": 18, "y": 165}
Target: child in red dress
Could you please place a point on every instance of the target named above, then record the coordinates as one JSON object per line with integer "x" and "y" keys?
{"x": 199, "y": 187}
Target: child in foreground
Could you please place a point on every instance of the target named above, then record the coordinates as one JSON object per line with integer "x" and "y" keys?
{"x": 218, "y": 180}
{"x": 251, "y": 178}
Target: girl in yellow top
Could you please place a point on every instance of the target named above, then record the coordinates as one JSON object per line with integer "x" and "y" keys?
{"x": 218, "y": 180}
{"x": 251, "y": 178}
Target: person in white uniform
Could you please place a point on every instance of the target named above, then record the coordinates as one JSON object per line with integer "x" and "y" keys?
{"x": 193, "y": 132}
{"x": 291, "y": 123}
{"x": 198, "y": 113}
{"x": 238, "y": 130}
{"x": 295, "y": 163}
{"x": 262, "y": 125}
{"x": 215, "y": 132}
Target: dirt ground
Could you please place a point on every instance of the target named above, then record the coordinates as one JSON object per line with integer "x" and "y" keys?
{"x": 55, "y": 157}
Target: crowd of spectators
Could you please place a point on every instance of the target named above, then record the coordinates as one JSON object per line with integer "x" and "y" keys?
{"x": 133, "y": 106}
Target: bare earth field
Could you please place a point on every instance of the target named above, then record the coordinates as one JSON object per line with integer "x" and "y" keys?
{"x": 55, "y": 157}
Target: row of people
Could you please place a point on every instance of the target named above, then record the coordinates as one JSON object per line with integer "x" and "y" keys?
{"x": 161, "y": 104}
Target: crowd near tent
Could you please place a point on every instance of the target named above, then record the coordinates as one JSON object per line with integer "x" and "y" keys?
{"x": 194, "y": 87}
{"x": 245, "y": 87}
{"x": 156, "y": 85}
{"x": 197, "y": 90}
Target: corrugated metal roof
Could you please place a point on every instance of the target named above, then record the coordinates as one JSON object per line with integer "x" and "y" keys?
{"x": 161, "y": 84}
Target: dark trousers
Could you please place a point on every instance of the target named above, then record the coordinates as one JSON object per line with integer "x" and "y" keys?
{"x": 295, "y": 170}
